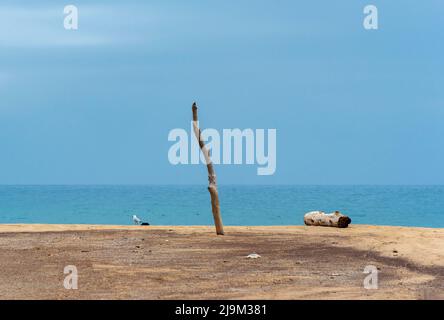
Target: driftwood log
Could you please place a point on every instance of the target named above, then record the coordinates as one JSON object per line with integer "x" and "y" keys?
{"x": 319, "y": 218}
{"x": 212, "y": 187}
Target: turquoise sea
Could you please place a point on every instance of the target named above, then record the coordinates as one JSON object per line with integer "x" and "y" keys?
{"x": 240, "y": 205}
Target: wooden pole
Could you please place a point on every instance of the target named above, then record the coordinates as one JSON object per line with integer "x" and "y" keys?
{"x": 212, "y": 187}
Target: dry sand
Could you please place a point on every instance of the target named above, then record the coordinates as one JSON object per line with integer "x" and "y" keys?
{"x": 172, "y": 262}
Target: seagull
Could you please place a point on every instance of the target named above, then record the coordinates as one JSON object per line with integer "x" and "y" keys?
{"x": 138, "y": 221}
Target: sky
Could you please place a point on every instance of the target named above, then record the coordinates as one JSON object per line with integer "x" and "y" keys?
{"x": 95, "y": 105}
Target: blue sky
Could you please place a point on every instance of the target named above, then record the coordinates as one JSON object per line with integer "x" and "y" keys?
{"x": 94, "y": 106}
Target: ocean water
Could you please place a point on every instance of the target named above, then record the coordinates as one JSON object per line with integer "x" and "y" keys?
{"x": 240, "y": 205}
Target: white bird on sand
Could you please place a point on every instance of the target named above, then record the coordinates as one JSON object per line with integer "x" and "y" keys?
{"x": 138, "y": 221}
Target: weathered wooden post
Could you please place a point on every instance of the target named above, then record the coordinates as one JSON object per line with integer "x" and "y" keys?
{"x": 212, "y": 187}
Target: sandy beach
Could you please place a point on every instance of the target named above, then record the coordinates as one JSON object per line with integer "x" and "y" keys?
{"x": 178, "y": 262}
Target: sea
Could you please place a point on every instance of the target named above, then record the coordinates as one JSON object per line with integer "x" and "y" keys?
{"x": 421, "y": 206}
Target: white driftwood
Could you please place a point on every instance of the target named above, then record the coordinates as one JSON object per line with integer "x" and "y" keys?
{"x": 319, "y": 218}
